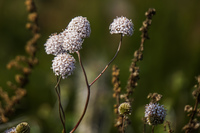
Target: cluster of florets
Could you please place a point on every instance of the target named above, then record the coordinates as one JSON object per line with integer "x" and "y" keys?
{"x": 63, "y": 64}
{"x": 155, "y": 113}
{"x": 71, "y": 40}
{"x": 68, "y": 41}
{"x": 121, "y": 25}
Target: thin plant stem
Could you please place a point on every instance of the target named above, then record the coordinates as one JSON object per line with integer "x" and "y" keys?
{"x": 61, "y": 111}
{"x": 144, "y": 129}
{"x": 60, "y": 105}
{"x": 152, "y": 130}
{"x": 194, "y": 110}
{"x": 120, "y": 43}
{"x": 88, "y": 95}
{"x": 123, "y": 123}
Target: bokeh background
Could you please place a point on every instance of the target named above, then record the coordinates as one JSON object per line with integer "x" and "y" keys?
{"x": 171, "y": 62}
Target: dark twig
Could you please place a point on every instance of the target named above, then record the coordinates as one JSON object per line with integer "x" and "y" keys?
{"x": 61, "y": 110}
{"x": 193, "y": 124}
{"x": 168, "y": 124}
{"x": 152, "y": 130}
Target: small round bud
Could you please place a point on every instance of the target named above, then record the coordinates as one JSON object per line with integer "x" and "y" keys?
{"x": 124, "y": 108}
{"x": 23, "y": 128}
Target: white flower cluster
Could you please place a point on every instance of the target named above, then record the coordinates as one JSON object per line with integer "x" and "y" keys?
{"x": 63, "y": 64}
{"x": 155, "y": 113}
{"x": 71, "y": 39}
{"x": 72, "y": 42}
{"x": 121, "y": 25}
{"x": 68, "y": 41}
{"x": 81, "y": 25}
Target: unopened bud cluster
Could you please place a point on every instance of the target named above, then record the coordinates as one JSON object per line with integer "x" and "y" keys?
{"x": 155, "y": 113}
{"x": 20, "y": 128}
{"x": 125, "y": 108}
{"x": 68, "y": 41}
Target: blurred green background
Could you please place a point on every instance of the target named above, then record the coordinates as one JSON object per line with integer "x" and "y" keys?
{"x": 171, "y": 62}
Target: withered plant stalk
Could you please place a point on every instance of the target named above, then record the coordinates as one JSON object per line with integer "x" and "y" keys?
{"x": 24, "y": 64}
{"x": 138, "y": 56}
{"x": 168, "y": 124}
{"x": 193, "y": 123}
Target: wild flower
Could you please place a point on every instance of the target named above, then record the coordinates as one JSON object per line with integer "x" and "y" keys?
{"x": 155, "y": 114}
{"x": 80, "y": 25}
{"x": 63, "y": 65}
{"x": 121, "y": 25}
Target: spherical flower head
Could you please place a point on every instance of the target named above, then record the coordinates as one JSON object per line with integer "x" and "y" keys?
{"x": 155, "y": 113}
{"x": 63, "y": 65}
{"x": 81, "y": 25}
{"x": 54, "y": 44}
{"x": 121, "y": 25}
{"x": 124, "y": 108}
{"x": 72, "y": 42}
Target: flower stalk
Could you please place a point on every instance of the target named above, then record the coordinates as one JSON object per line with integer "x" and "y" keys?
{"x": 61, "y": 110}
{"x": 118, "y": 49}
{"x": 88, "y": 95}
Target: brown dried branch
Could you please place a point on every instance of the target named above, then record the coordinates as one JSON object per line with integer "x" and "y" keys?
{"x": 138, "y": 55}
{"x": 193, "y": 123}
{"x": 117, "y": 89}
{"x": 168, "y": 124}
{"x": 24, "y": 64}
{"x": 155, "y": 97}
